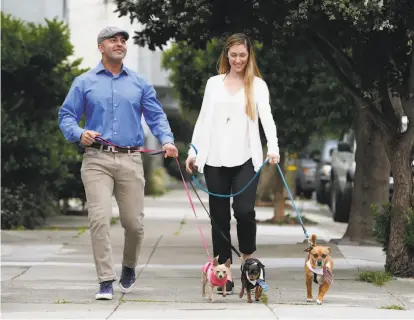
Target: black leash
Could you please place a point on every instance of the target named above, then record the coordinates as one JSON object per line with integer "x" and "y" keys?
{"x": 216, "y": 225}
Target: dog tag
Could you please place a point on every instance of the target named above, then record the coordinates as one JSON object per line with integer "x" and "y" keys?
{"x": 263, "y": 285}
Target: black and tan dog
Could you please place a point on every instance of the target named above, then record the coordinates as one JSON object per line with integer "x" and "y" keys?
{"x": 252, "y": 273}
{"x": 318, "y": 268}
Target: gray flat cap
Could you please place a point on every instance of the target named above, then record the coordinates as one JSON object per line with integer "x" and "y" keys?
{"x": 109, "y": 32}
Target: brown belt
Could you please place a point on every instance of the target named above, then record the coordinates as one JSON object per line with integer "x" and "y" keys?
{"x": 113, "y": 148}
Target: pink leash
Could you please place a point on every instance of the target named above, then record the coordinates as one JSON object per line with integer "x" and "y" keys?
{"x": 155, "y": 152}
{"x": 192, "y": 206}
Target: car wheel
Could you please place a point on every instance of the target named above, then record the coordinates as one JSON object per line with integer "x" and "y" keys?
{"x": 321, "y": 197}
{"x": 342, "y": 205}
{"x": 308, "y": 194}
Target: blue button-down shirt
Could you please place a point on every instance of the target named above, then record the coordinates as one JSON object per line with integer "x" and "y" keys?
{"x": 113, "y": 106}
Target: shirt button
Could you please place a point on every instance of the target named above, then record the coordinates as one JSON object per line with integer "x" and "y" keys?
{"x": 114, "y": 105}
{"x": 114, "y": 132}
{"x": 114, "y": 118}
{"x": 114, "y": 90}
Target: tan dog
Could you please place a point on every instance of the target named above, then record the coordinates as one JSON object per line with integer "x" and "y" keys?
{"x": 318, "y": 268}
{"x": 216, "y": 275}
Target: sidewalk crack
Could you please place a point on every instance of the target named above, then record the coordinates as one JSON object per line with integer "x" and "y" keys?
{"x": 120, "y": 301}
{"x": 272, "y": 311}
{"x": 394, "y": 296}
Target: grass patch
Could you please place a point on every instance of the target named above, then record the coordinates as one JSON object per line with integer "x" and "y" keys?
{"x": 377, "y": 278}
{"x": 264, "y": 299}
{"x": 182, "y": 223}
{"x": 393, "y": 307}
{"x": 114, "y": 220}
{"x": 82, "y": 231}
{"x": 62, "y": 301}
{"x": 288, "y": 220}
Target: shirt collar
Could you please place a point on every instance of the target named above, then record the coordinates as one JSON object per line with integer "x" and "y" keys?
{"x": 100, "y": 67}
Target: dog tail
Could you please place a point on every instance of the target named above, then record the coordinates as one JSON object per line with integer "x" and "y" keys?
{"x": 313, "y": 240}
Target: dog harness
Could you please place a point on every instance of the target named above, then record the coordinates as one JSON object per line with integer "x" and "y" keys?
{"x": 321, "y": 272}
{"x": 209, "y": 270}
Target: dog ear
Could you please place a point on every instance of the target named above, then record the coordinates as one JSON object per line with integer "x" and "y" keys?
{"x": 308, "y": 249}
{"x": 261, "y": 265}
{"x": 329, "y": 249}
{"x": 215, "y": 261}
{"x": 228, "y": 262}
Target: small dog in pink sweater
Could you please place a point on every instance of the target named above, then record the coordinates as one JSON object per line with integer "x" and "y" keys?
{"x": 216, "y": 275}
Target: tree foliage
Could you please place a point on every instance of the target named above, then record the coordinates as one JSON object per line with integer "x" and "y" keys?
{"x": 35, "y": 158}
{"x": 305, "y": 97}
{"x": 368, "y": 44}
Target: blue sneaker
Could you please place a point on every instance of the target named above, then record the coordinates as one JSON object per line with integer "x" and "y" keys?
{"x": 105, "y": 291}
{"x": 127, "y": 281}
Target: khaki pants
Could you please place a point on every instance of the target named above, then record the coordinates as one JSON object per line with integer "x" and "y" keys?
{"x": 104, "y": 174}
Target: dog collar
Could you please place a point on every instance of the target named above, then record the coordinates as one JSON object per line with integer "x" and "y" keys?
{"x": 253, "y": 282}
{"x": 318, "y": 271}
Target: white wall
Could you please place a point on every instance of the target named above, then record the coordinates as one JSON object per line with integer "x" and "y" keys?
{"x": 27, "y": 10}
{"x": 88, "y": 17}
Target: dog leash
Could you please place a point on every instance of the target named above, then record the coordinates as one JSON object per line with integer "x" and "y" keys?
{"x": 215, "y": 223}
{"x": 226, "y": 195}
{"x": 298, "y": 216}
{"x": 193, "y": 207}
{"x": 156, "y": 152}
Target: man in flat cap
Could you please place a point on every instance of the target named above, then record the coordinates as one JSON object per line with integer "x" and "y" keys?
{"x": 113, "y": 98}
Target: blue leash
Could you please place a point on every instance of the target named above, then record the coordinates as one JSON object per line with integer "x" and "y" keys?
{"x": 247, "y": 185}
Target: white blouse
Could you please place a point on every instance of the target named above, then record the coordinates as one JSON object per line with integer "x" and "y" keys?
{"x": 219, "y": 139}
{"x": 229, "y": 143}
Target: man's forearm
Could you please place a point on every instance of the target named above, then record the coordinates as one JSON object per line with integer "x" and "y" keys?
{"x": 70, "y": 129}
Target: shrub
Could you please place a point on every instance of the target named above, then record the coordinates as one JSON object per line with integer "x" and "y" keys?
{"x": 35, "y": 157}
{"x": 382, "y": 226}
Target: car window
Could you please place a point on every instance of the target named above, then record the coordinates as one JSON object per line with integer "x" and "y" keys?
{"x": 330, "y": 144}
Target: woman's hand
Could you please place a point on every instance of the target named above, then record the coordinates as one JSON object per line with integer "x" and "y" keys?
{"x": 273, "y": 158}
{"x": 190, "y": 164}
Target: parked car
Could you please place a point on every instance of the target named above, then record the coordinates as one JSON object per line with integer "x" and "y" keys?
{"x": 323, "y": 158}
{"x": 342, "y": 170}
{"x": 342, "y": 178}
{"x": 305, "y": 174}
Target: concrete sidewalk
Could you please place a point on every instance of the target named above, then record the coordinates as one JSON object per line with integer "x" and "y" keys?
{"x": 50, "y": 274}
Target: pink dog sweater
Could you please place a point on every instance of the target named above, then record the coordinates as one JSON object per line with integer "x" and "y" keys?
{"x": 209, "y": 270}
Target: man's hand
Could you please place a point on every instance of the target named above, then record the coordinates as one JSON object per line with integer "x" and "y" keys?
{"x": 274, "y": 158}
{"x": 88, "y": 137}
{"x": 170, "y": 150}
{"x": 189, "y": 164}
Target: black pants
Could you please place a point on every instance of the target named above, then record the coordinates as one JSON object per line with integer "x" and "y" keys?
{"x": 227, "y": 180}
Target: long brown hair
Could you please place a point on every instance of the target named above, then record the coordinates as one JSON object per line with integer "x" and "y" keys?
{"x": 250, "y": 72}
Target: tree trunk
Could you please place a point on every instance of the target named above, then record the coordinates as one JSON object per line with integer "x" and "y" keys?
{"x": 400, "y": 262}
{"x": 267, "y": 182}
{"x": 371, "y": 180}
{"x": 279, "y": 202}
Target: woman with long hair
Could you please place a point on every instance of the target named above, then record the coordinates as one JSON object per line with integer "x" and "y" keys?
{"x": 227, "y": 138}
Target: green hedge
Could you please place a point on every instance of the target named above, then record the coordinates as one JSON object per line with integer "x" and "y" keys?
{"x": 37, "y": 163}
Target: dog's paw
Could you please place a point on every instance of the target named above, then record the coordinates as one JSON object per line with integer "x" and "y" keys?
{"x": 319, "y": 302}
{"x": 309, "y": 300}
